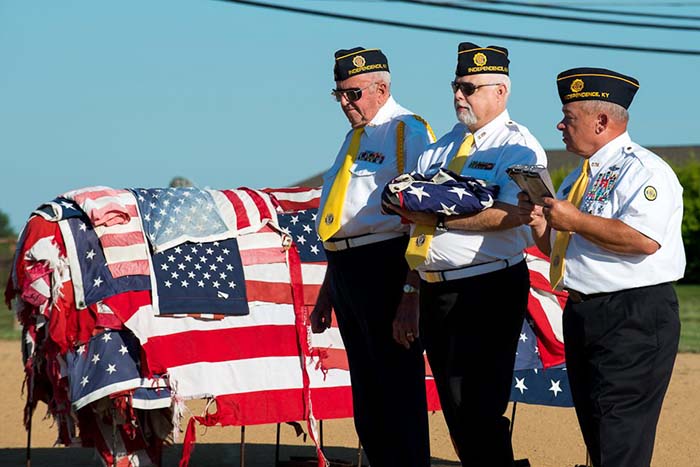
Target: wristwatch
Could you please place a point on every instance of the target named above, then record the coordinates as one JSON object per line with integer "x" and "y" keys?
{"x": 408, "y": 288}
{"x": 441, "y": 222}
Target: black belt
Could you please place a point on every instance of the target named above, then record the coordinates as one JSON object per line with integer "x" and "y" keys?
{"x": 577, "y": 297}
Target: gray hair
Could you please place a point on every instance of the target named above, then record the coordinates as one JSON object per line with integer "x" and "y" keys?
{"x": 384, "y": 76}
{"x": 615, "y": 111}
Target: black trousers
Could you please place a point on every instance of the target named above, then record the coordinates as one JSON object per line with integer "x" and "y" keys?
{"x": 620, "y": 350}
{"x": 470, "y": 328}
{"x": 388, "y": 381}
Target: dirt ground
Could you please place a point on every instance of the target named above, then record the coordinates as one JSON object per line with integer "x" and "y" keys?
{"x": 547, "y": 436}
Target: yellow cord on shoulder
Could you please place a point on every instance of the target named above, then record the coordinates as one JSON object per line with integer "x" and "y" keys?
{"x": 400, "y": 132}
{"x": 427, "y": 126}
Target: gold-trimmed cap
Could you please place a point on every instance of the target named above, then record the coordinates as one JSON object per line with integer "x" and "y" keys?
{"x": 596, "y": 84}
{"x": 472, "y": 59}
{"x": 353, "y": 62}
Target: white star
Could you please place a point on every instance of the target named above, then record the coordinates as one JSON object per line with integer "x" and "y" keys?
{"x": 81, "y": 350}
{"x": 188, "y": 258}
{"x": 313, "y": 216}
{"x": 171, "y": 258}
{"x": 190, "y": 275}
{"x": 206, "y": 275}
{"x": 294, "y": 220}
{"x": 184, "y": 284}
{"x": 200, "y": 283}
{"x": 107, "y": 337}
{"x": 152, "y": 205}
{"x": 168, "y": 284}
{"x": 301, "y": 239}
{"x": 157, "y": 224}
{"x": 448, "y": 210}
{"x": 147, "y": 217}
{"x": 66, "y": 204}
{"x": 555, "y": 387}
{"x": 174, "y": 275}
{"x": 523, "y": 337}
{"x": 286, "y": 230}
{"x": 307, "y": 228}
{"x": 181, "y": 267}
{"x": 97, "y": 282}
{"x": 232, "y": 284}
{"x": 197, "y": 266}
{"x": 216, "y": 244}
{"x": 164, "y": 266}
{"x": 314, "y": 249}
{"x": 83, "y": 227}
{"x": 459, "y": 191}
{"x": 202, "y": 259}
{"x": 418, "y": 191}
{"x": 162, "y": 211}
{"x": 95, "y": 358}
{"x": 169, "y": 230}
{"x": 90, "y": 254}
{"x": 520, "y": 384}
{"x": 222, "y": 275}
{"x": 178, "y": 250}
{"x": 84, "y": 381}
{"x": 123, "y": 350}
{"x": 229, "y": 267}
{"x": 215, "y": 284}
{"x": 219, "y": 259}
{"x": 111, "y": 369}
{"x": 210, "y": 251}
{"x": 213, "y": 267}
{"x": 226, "y": 251}
{"x": 194, "y": 249}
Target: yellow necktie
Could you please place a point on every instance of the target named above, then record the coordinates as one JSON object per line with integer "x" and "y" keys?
{"x": 422, "y": 234}
{"x": 333, "y": 208}
{"x": 561, "y": 242}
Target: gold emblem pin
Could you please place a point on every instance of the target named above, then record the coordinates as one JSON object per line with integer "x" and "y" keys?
{"x": 329, "y": 218}
{"x": 480, "y": 59}
{"x": 577, "y": 85}
{"x": 358, "y": 61}
{"x": 420, "y": 240}
{"x": 650, "y": 193}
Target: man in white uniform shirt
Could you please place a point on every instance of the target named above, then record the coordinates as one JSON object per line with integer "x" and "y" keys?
{"x": 614, "y": 233}
{"x": 366, "y": 280}
{"x": 474, "y": 281}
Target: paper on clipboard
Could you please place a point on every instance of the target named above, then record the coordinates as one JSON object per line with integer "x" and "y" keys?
{"x": 533, "y": 180}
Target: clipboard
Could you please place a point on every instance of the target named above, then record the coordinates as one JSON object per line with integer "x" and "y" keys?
{"x": 533, "y": 180}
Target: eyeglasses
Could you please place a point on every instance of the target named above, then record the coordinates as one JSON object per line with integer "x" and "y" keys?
{"x": 468, "y": 88}
{"x": 351, "y": 94}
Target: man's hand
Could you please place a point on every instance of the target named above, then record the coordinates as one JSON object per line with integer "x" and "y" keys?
{"x": 415, "y": 217}
{"x": 562, "y": 215}
{"x": 321, "y": 315}
{"x": 405, "y": 325}
{"x": 530, "y": 213}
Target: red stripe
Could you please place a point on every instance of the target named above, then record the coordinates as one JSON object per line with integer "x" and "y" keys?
{"x": 220, "y": 345}
{"x": 242, "y": 220}
{"x": 128, "y": 268}
{"x": 93, "y": 195}
{"x": 259, "y": 203}
{"x": 126, "y": 304}
{"x": 273, "y": 292}
{"x": 263, "y": 256}
{"x": 122, "y": 239}
{"x": 550, "y": 348}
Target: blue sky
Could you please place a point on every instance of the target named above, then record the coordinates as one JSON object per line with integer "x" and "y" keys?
{"x": 133, "y": 93}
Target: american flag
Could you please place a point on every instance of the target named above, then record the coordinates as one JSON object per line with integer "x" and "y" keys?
{"x": 200, "y": 278}
{"x": 92, "y": 279}
{"x": 114, "y": 215}
{"x": 444, "y": 192}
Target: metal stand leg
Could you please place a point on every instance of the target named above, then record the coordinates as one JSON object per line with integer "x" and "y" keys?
{"x": 277, "y": 446}
{"x": 359, "y": 454}
{"x": 29, "y": 440}
{"x": 512, "y": 419}
{"x": 242, "y": 464}
{"x": 320, "y": 434}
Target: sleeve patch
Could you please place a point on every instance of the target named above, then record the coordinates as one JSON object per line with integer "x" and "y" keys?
{"x": 650, "y": 193}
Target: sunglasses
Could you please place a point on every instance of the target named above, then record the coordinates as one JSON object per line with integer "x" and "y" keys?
{"x": 469, "y": 88}
{"x": 351, "y": 94}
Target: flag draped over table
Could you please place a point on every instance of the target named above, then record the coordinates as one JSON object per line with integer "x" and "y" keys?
{"x": 257, "y": 358}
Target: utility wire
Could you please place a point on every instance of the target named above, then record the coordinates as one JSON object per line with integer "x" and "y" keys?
{"x": 564, "y": 7}
{"x": 420, "y": 27}
{"x": 454, "y": 6}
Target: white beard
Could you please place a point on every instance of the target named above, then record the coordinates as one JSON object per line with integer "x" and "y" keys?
{"x": 465, "y": 114}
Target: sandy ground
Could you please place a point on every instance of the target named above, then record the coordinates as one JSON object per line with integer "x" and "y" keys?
{"x": 547, "y": 436}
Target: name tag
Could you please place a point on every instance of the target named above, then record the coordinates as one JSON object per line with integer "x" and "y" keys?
{"x": 480, "y": 165}
{"x": 372, "y": 157}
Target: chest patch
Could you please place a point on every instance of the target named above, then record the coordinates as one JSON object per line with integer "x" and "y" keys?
{"x": 372, "y": 157}
{"x": 600, "y": 190}
{"x": 480, "y": 165}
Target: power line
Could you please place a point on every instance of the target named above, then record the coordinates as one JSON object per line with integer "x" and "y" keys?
{"x": 420, "y": 27}
{"x": 454, "y": 6}
{"x": 565, "y": 7}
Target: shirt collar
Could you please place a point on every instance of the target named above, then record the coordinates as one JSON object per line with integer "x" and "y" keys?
{"x": 607, "y": 153}
{"x": 481, "y": 135}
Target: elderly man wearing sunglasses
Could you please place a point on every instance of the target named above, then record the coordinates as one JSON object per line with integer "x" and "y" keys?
{"x": 474, "y": 282}
{"x": 376, "y": 304}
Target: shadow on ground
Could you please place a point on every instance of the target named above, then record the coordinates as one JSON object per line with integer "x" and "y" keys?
{"x": 206, "y": 455}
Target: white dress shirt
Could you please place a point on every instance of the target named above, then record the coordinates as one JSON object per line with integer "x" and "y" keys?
{"x": 362, "y": 209}
{"x": 634, "y": 185}
{"x": 498, "y": 145}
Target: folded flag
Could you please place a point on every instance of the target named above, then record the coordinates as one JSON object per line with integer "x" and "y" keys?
{"x": 200, "y": 278}
{"x": 444, "y": 192}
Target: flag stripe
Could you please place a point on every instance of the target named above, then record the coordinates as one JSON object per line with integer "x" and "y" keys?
{"x": 242, "y": 219}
